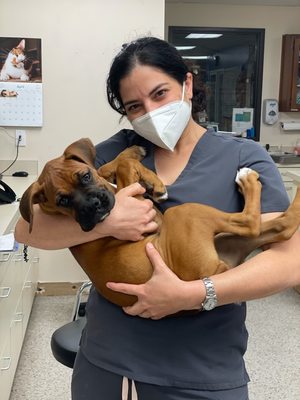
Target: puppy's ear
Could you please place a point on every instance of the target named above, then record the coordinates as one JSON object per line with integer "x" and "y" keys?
{"x": 83, "y": 150}
{"x": 33, "y": 195}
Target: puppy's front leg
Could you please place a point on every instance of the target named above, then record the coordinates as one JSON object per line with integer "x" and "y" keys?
{"x": 108, "y": 170}
{"x": 130, "y": 171}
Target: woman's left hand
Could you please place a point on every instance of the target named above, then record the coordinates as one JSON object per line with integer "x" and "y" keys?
{"x": 164, "y": 294}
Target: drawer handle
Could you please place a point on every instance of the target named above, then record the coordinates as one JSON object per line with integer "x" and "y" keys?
{"x": 5, "y": 292}
{"x": 19, "y": 317}
{"x": 18, "y": 257}
{"x": 8, "y": 360}
{"x": 36, "y": 259}
{"x": 28, "y": 285}
{"x": 5, "y": 257}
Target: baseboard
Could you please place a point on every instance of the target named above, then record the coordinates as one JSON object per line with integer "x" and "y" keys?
{"x": 58, "y": 288}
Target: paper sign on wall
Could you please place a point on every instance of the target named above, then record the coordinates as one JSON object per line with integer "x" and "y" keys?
{"x": 242, "y": 119}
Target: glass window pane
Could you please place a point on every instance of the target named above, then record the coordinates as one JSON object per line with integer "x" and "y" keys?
{"x": 229, "y": 65}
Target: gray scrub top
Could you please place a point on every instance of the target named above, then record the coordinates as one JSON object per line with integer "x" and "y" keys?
{"x": 203, "y": 351}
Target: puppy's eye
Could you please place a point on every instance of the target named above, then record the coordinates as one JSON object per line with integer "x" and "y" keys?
{"x": 86, "y": 177}
{"x": 64, "y": 201}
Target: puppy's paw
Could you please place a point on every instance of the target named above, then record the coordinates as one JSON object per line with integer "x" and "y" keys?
{"x": 137, "y": 152}
{"x": 155, "y": 191}
{"x": 242, "y": 173}
{"x": 160, "y": 197}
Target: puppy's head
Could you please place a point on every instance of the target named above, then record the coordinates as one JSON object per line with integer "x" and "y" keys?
{"x": 70, "y": 185}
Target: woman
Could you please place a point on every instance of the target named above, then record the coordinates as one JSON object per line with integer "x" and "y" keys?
{"x": 196, "y": 357}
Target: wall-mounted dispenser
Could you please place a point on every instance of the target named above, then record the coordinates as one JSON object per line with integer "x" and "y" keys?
{"x": 270, "y": 111}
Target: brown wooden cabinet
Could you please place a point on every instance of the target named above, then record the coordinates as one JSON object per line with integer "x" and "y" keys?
{"x": 289, "y": 94}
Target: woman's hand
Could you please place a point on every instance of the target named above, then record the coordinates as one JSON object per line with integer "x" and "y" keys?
{"x": 130, "y": 218}
{"x": 164, "y": 294}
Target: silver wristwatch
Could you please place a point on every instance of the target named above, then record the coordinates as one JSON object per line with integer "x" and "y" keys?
{"x": 211, "y": 300}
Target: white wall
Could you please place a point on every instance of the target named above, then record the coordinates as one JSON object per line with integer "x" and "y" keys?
{"x": 276, "y": 21}
{"x": 79, "y": 40}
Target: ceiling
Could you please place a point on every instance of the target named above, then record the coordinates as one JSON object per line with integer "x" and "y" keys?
{"x": 281, "y": 3}
{"x": 230, "y": 39}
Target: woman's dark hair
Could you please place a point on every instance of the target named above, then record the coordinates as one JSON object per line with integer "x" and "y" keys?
{"x": 149, "y": 51}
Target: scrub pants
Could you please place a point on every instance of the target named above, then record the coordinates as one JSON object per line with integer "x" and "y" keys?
{"x": 90, "y": 382}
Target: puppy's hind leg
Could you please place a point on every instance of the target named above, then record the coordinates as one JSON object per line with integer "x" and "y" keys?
{"x": 247, "y": 222}
{"x": 283, "y": 227}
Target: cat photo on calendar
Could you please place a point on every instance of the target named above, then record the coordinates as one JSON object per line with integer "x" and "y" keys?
{"x": 20, "y": 60}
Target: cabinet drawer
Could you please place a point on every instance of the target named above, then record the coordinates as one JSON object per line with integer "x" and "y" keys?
{"x": 289, "y": 90}
{"x": 11, "y": 261}
{"x": 28, "y": 293}
{"x": 13, "y": 276}
{"x": 7, "y": 305}
{"x": 5, "y": 259}
{"x": 11, "y": 226}
{"x": 16, "y": 335}
{"x": 6, "y": 373}
{"x": 4, "y": 332}
{"x": 8, "y": 293}
{"x": 10, "y": 290}
{"x": 31, "y": 255}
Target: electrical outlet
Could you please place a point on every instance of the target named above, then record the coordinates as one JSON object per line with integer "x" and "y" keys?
{"x": 21, "y": 134}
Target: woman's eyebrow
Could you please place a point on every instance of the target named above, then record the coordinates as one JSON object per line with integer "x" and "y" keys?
{"x": 127, "y": 103}
{"x": 157, "y": 87}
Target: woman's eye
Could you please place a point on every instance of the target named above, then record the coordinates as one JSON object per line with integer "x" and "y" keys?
{"x": 160, "y": 93}
{"x": 133, "y": 108}
{"x": 86, "y": 178}
{"x": 64, "y": 201}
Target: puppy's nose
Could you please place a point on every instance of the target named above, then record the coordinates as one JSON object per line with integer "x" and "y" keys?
{"x": 96, "y": 202}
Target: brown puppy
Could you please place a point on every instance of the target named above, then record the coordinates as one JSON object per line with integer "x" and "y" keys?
{"x": 216, "y": 241}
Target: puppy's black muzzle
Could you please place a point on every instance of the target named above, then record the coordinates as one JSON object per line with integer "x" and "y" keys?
{"x": 92, "y": 206}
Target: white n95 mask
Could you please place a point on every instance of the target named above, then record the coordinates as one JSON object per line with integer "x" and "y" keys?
{"x": 165, "y": 125}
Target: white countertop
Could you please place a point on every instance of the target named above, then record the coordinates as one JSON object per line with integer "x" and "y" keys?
{"x": 294, "y": 175}
{"x": 287, "y": 165}
{"x": 8, "y": 211}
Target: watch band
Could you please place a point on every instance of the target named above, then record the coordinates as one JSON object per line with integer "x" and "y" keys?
{"x": 211, "y": 300}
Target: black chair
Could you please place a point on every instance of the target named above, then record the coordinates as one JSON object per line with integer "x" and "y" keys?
{"x": 65, "y": 340}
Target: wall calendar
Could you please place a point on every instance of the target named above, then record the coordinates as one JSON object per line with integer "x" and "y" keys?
{"x": 23, "y": 109}
{"x": 21, "y": 97}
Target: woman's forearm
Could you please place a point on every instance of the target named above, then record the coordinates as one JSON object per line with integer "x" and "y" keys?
{"x": 269, "y": 272}
{"x": 52, "y": 232}
{"x": 130, "y": 219}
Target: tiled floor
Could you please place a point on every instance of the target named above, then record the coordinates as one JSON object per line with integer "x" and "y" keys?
{"x": 39, "y": 376}
{"x": 273, "y": 357}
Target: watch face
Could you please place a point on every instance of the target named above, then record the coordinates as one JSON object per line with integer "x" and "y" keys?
{"x": 209, "y": 304}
